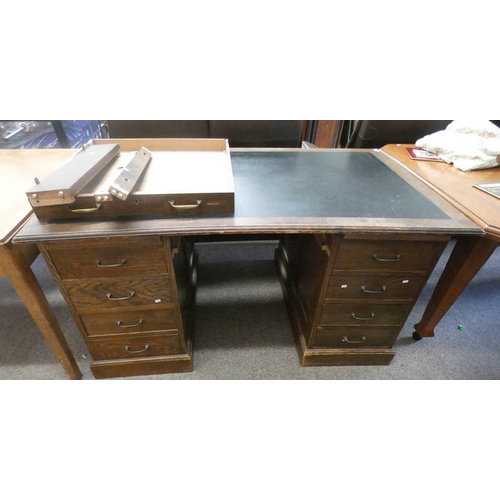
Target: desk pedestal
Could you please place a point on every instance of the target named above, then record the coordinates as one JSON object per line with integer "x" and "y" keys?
{"x": 132, "y": 299}
{"x": 348, "y": 296}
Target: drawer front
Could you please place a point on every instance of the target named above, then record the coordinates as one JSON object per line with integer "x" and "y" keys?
{"x": 388, "y": 256}
{"x": 109, "y": 260}
{"x": 119, "y": 322}
{"x": 135, "y": 346}
{"x": 118, "y": 293}
{"x": 363, "y": 314}
{"x": 351, "y": 337}
{"x": 159, "y": 204}
{"x": 349, "y": 287}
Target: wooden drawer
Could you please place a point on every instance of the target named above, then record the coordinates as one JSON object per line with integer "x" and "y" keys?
{"x": 364, "y": 314}
{"x": 351, "y": 337}
{"x": 118, "y": 293}
{"x": 119, "y": 322}
{"x": 390, "y": 256}
{"x": 135, "y": 346}
{"x": 365, "y": 287}
{"x": 158, "y": 204}
{"x": 108, "y": 260}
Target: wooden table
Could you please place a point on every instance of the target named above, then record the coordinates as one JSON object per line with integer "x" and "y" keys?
{"x": 470, "y": 252}
{"x": 18, "y": 168}
{"x": 358, "y": 237}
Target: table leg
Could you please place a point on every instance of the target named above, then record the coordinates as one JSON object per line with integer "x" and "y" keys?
{"x": 467, "y": 258}
{"x": 17, "y": 267}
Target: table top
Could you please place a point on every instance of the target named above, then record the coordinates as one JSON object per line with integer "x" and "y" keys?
{"x": 18, "y": 169}
{"x": 292, "y": 191}
{"x": 457, "y": 187}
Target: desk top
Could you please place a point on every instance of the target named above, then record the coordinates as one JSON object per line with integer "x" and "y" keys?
{"x": 457, "y": 187}
{"x": 18, "y": 169}
{"x": 293, "y": 191}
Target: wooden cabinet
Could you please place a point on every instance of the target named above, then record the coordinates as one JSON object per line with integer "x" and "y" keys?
{"x": 132, "y": 298}
{"x": 348, "y": 296}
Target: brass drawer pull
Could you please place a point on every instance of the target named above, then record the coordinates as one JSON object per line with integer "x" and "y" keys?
{"x": 121, "y": 325}
{"x": 98, "y": 263}
{"x": 396, "y": 259}
{"x": 372, "y": 315}
{"x": 184, "y": 207}
{"x": 85, "y": 210}
{"x": 127, "y": 348}
{"x": 127, "y": 297}
{"x": 373, "y": 291}
{"x": 345, "y": 339}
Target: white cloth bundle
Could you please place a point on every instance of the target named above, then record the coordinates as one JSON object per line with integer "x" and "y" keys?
{"x": 469, "y": 145}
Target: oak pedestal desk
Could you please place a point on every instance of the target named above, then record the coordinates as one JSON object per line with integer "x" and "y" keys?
{"x": 18, "y": 168}
{"x": 357, "y": 238}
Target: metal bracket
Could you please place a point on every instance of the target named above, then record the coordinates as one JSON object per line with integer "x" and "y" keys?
{"x": 122, "y": 186}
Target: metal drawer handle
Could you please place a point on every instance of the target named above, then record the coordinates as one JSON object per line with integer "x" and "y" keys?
{"x": 396, "y": 259}
{"x": 121, "y": 325}
{"x": 345, "y": 339}
{"x": 85, "y": 210}
{"x": 373, "y": 291}
{"x": 127, "y": 348}
{"x": 372, "y": 315}
{"x": 127, "y": 297}
{"x": 98, "y": 263}
{"x": 184, "y": 207}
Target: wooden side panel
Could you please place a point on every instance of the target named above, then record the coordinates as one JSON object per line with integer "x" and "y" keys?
{"x": 185, "y": 263}
{"x": 328, "y": 133}
{"x": 303, "y": 263}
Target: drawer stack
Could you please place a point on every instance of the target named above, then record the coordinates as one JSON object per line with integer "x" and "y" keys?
{"x": 132, "y": 310}
{"x": 370, "y": 287}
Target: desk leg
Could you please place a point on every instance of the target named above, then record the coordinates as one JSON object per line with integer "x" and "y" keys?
{"x": 17, "y": 267}
{"x": 468, "y": 257}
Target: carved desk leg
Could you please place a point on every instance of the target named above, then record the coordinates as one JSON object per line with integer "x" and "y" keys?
{"x": 468, "y": 257}
{"x": 16, "y": 262}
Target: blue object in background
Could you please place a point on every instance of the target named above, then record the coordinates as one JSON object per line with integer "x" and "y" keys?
{"x": 79, "y": 132}
{"x": 35, "y": 134}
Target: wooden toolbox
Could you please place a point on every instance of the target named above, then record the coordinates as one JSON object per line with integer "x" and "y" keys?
{"x": 139, "y": 177}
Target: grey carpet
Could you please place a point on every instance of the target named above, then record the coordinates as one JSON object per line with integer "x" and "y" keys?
{"x": 242, "y": 328}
